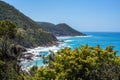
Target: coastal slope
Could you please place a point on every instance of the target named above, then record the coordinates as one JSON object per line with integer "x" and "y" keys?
{"x": 61, "y": 29}
{"x": 33, "y": 34}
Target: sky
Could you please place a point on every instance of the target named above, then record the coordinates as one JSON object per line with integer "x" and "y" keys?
{"x": 82, "y": 15}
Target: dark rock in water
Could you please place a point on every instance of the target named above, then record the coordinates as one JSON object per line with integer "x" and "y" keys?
{"x": 38, "y": 55}
{"x": 28, "y": 56}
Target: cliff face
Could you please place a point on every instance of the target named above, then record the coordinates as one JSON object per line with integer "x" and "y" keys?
{"x": 60, "y": 29}
{"x": 34, "y": 34}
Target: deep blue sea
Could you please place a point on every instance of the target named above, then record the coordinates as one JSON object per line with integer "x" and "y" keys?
{"x": 92, "y": 39}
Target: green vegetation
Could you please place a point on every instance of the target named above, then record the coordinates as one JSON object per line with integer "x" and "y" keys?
{"x": 84, "y": 63}
{"x": 7, "y": 29}
{"x": 60, "y": 29}
{"x": 8, "y": 12}
{"x": 11, "y": 39}
{"x": 34, "y": 38}
{"x": 9, "y": 52}
{"x": 29, "y": 33}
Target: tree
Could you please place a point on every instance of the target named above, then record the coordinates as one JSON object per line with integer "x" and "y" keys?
{"x": 33, "y": 70}
{"x": 7, "y": 29}
{"x": 7, "y": 33}
{"x": 9, "y": 52}
{"x": 84, "y": 63}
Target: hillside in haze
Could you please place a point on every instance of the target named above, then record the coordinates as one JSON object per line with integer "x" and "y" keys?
{"x": 61, "y": 29}
{"x": 33, "y": 34}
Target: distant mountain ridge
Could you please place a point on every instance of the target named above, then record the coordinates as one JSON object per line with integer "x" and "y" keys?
{"x": 34, "y": 35}
{"x": 61, "y": 29}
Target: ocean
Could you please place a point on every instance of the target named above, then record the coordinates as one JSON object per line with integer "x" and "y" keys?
{"x": 92, "y": 39}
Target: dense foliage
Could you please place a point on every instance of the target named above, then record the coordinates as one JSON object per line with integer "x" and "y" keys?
{"x": 84, "y": 63}
{"x": 10, "y": 53}
{"x": 60, "y": 29}
{"x": 29, "y": 33}
{"x": 34, "y": 38}
{"x": 11, "y": 39}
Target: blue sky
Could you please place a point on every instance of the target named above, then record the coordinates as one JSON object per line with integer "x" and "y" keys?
{"x": 82, "y": 15}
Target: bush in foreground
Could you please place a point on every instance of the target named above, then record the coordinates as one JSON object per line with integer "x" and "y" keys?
{"x": 84, "y": 63}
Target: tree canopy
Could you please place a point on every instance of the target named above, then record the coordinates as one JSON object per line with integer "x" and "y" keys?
{"x": 9, "y": 52}
{"x": 7, "y": 29}
{"x": 84, "y": 63}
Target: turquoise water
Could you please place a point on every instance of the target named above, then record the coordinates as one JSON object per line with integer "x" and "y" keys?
{"x": 94, "y": 38}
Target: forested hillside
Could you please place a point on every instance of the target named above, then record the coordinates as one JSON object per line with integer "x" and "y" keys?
{"x": 60, "y": 29}
{"x": 18, "y": 32}
{"x": 29, "y": 33}
{"x": 84, "y": 63}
